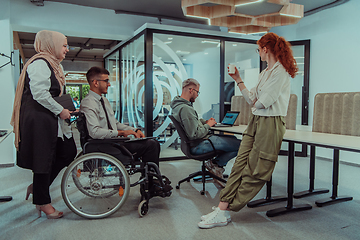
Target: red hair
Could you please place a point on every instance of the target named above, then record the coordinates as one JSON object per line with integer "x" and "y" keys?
{"x": 282, "y": 51}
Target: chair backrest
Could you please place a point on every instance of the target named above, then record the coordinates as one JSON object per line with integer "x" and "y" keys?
{"x": 337, "y": 113}
{"x": 82, "y": 128}
{"x": 185, "y": 145}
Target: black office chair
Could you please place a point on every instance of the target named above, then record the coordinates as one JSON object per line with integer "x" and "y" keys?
{"x": 185, "y": 148}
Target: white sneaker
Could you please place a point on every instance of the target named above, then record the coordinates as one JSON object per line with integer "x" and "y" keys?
{"x": 227, "y": 214}
{"x": 216, "y": 218}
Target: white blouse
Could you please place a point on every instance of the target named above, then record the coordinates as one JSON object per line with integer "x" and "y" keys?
{"x": 39, "y": 74}
{"x": 272, "y": 92}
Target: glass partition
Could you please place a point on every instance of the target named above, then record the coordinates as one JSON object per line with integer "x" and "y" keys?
{"x": 176, "y": 58}
{"x": 113, "y": 94}
{"x": 132, "y": 83}
{"x": 298, "y": 82}
{"x": 246, "y": 60}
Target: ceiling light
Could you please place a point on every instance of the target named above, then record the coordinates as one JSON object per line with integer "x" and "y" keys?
{"x": 255, "y": 15}
{"x": 289, "y": 15}
{"x": 182, "y": 52}
{"x": 170, "y": 38}
{"x": 168, "y": 42}
{"x": 200, "y": 17}
{"x": 242, "y": 4}
{"x": 234, "y": 45}
{"x": 207, "y": 41}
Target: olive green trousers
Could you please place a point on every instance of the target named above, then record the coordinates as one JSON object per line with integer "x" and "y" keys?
{"x": 255, "y": 161}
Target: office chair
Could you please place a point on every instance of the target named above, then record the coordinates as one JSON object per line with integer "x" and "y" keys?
{"x": 185, "y": 148}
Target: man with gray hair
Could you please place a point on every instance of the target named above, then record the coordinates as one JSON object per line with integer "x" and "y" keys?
{"x": 197, "y": 128}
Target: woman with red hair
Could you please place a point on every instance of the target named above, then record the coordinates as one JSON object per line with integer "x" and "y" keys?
{"x": 262, "y": 139}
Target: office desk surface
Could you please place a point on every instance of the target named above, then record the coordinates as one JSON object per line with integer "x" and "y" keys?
{"x": 327, "y": 140}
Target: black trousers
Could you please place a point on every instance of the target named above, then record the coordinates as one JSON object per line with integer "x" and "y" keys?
{"x": 65, "y": 154}
{"x": 148, "y": 150}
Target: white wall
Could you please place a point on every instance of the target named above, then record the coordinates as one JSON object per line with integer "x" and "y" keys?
{"x": 334, "y": 56}
{"x": 7, "y": 91}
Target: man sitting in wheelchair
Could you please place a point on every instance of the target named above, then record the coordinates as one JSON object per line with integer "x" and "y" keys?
{"x": 101, "y": 124}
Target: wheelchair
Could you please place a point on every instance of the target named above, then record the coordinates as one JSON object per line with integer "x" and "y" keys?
{"x": 96, "y": 185}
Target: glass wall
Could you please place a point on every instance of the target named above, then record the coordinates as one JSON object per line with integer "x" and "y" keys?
{"x": 168, "y": 58}
{"x": 176, "y": 58}
{"x": 132, "y": 83}
{"x": 246, "y": 60}
{"x": 112, "y": 65}
{"x": 298, "y": 82}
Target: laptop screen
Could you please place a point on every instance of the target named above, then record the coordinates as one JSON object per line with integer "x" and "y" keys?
{"x": 230, "y": 118}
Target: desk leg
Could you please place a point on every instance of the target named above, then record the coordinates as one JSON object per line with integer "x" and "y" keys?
{"x": 334, "y": 198}
{"x": 268, "y": 199}
{"x": 311, "y": 190}
{"x": 290, "y": 207}
{"x": 5, "y": 198}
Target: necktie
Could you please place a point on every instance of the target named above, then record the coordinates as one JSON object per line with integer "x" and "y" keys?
{"x": 107, "y": 117}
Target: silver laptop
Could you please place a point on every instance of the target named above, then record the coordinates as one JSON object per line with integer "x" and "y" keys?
{"x": 228, "y": 120}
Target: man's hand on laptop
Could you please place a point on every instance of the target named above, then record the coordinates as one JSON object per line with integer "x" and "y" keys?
{"x": 125, "y": 133}
{"x": 139, "y": 134}
{"x": 211, "y": 122}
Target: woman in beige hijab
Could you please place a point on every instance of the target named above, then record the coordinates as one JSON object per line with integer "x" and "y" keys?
{"x": 43, "y": 139}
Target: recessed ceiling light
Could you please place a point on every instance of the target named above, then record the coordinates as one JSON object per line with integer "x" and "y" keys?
{"x": 208, "y": 41}
{"x": 182, "y": 52}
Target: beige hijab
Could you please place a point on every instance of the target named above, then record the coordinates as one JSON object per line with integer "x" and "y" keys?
{"x": 48, "y": 45}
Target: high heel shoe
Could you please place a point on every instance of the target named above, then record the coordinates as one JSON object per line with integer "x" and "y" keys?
{"x": 56, "y": 214}
{"x": 29, "y": 191}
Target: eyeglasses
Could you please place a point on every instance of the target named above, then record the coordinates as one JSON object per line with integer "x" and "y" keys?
{"x": 198, "y": 92}
{"x": 257, "y": 50}
{"x": 106, "y": 80}
{"x": 67, "y": 47}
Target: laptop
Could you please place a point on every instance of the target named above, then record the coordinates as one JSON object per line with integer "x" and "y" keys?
{"x": 66, "y": 101}
{"x": 228, "y": 120}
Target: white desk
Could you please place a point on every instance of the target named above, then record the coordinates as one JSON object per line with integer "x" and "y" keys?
{"x": 314, "y": 139}
{"x": 5, "y": 198}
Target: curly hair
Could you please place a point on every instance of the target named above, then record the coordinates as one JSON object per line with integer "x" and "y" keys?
{"x": 282, "y": 51}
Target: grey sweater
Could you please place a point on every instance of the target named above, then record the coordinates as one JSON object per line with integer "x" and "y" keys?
{"x": 194, "y": 127}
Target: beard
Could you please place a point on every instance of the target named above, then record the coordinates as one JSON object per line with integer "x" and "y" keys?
{"x": 192, "y": 99}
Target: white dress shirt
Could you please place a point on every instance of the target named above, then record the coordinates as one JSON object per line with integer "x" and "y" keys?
{"x": 272, "y": 92}
{"x": 96, "y": 119}
{"x": 40, "y": 83}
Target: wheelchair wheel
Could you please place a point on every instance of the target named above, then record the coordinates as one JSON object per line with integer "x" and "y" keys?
{"x": 143, "y": 208}
{"x": 95, "y": 185}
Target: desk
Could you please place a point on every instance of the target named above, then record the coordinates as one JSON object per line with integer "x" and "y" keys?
{"x": 2, "y": 138}
{"x": 333, "y": 141}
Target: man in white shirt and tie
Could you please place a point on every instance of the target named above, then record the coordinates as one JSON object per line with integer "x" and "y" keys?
{"x": 102, "y": 124}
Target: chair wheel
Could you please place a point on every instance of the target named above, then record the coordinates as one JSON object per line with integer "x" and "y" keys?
{"x": 202, "y": 192}
{"x": 177, "y": 187}
{"x": 143, "y": 208}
